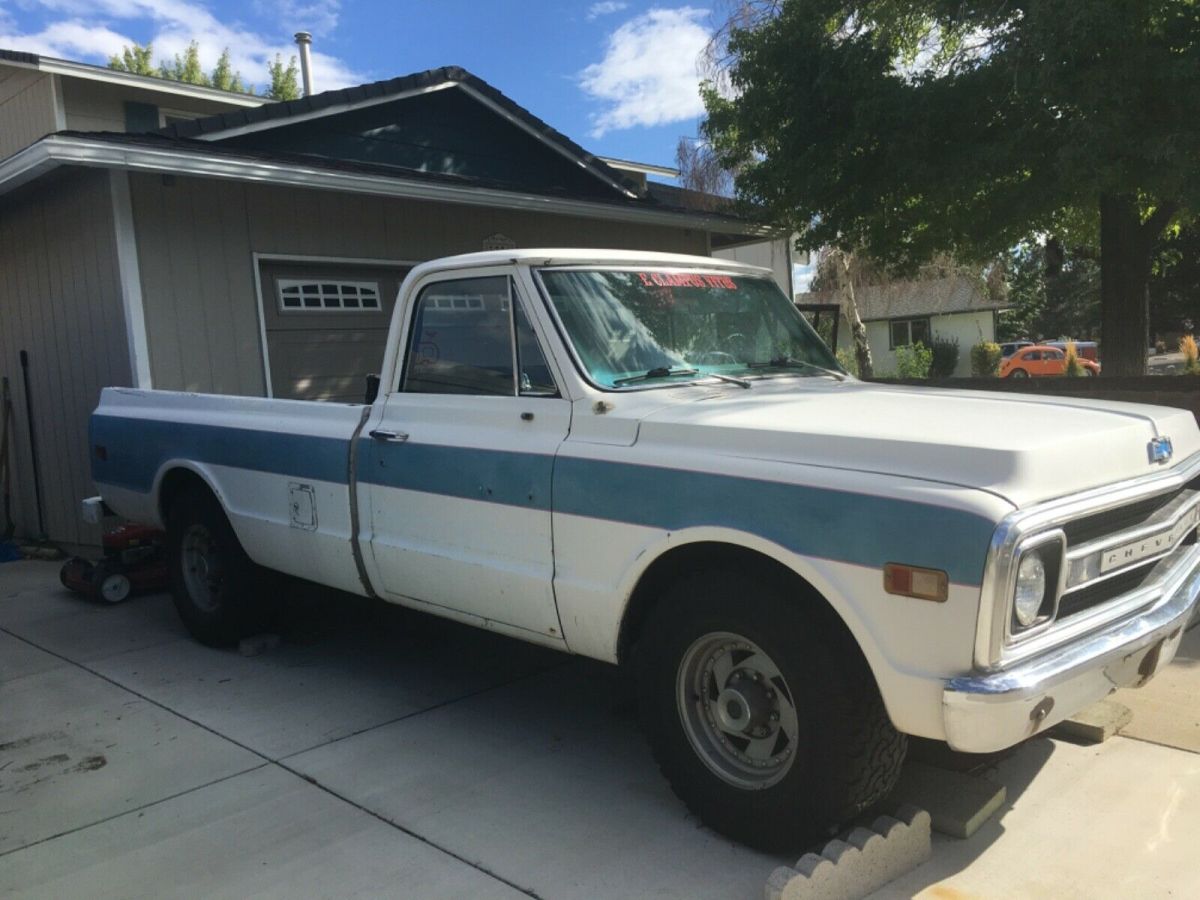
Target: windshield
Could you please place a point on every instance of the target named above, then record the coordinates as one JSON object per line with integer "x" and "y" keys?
{"x": 653, "y": 326}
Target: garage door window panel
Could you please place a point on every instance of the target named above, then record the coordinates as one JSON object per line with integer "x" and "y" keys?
{"x": 324, "y": 296}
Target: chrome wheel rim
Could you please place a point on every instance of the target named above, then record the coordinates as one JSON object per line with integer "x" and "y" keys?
{"x": 203, "y": 573}
{"x": 737, "y": 710}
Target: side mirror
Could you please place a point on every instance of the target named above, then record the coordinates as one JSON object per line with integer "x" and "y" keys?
{"x": 372, "y": 389}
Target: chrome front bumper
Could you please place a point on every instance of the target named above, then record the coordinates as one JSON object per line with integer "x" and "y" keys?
{"x": 994, "y": 710}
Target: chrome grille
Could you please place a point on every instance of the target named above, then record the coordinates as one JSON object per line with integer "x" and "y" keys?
{"x": 1125, "y": 544}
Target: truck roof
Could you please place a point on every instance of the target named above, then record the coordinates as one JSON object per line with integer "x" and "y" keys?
{"x": 577, "y": 256}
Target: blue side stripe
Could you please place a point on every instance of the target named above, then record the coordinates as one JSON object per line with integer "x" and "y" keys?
{"x": 139, "y": 447}
{"x": 515, "y": 479}
{"x": 812, "y": 521}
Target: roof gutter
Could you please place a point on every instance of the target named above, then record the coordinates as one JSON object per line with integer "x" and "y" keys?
{"x": 58, "y": 150}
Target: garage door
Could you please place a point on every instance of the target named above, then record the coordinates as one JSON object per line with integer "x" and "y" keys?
{"x": 326, "y": 326}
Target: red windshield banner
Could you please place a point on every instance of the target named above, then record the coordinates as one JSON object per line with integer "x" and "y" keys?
{"x": 687, "y": 279}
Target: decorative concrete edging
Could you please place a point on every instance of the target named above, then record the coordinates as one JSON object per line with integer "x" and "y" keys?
{"x": 861, "y": 861}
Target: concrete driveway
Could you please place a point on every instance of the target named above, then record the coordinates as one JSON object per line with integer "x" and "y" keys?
{"x": 381, "y": 752}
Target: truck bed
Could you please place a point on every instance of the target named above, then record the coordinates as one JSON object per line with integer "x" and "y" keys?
{"x": 281, "y": 469}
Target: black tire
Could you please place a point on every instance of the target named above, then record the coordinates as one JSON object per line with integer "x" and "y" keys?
{"x": 848, "y": 756}
{"x": 1018, "y": 373}
{"x": 235, "y": 604}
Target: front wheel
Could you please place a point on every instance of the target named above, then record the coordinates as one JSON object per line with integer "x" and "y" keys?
{"x": 1018, "y": 373}
{"x": 761, "y": 712}
{"x": 216, "y": 587}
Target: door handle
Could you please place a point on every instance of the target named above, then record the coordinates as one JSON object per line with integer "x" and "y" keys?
{"x": 395, "y": 437}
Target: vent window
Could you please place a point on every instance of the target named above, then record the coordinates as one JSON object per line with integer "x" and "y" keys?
{"x": 326, "y": 296}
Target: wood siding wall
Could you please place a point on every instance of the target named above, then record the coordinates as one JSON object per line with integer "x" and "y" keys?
{"x": 196, "y": 238}
{"x": 99, "y": 106}
{"x": 26, "y": 108}
{"x": 60, "y": 300}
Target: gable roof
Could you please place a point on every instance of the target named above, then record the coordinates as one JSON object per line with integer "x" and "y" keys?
{"x": 89, "y": 72}
{"x": 174, "y": 156}
{"x": 918, "y": 297}
{"x": 235, "y": 123}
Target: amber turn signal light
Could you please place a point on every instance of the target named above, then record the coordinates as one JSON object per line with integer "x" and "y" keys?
{"x": 911, "y": 581}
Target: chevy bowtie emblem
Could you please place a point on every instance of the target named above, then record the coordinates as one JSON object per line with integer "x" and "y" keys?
{"x": 1160, "y": 449}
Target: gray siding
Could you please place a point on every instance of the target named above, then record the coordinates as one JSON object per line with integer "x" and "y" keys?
{"x": 99, "y": 106}
{"x": 196, "y": 238}
{"x": 60, "y": 300}
{"x": 26, "y": 108}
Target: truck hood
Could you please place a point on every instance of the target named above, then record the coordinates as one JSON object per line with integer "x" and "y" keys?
{"x": 1025, "y": 449}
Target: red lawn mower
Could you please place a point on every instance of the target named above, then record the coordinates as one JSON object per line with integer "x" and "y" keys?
{"x": 133, "y": 561}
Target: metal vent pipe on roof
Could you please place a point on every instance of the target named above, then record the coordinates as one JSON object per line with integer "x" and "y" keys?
{"x": 304, "y": 42}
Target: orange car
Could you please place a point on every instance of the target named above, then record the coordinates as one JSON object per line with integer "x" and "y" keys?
{"x": 1040, "y": 361}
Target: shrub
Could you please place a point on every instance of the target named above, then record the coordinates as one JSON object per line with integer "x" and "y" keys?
{"x": 945, "y": 357}
{"x": 848, "y": 360}
{"x": 913, "y": 361}
{"x": 1074, "y": 368}
{"x": 1191, "y": 355}
{"x": 985, "y": 359}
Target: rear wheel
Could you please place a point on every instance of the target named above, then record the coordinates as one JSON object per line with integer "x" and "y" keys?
{"x": 1018, "y": 373}
{"x": 761, "y": 713}
{"x": 215, "y": 585}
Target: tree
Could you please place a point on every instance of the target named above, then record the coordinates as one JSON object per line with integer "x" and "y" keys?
{"x": 224, "y": 78}
{"x": 136, "y": 59}
{"x": 701, "y": 171}
{"x": 1054, "y": 292}
{"x": 285, "y": 82}
{"x": 906, "y": 127}
{"x": 186, "y": 68}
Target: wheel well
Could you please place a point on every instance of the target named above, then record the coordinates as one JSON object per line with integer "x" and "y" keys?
{"x": 708, "y": 555}
{"x": 174, "y": 483}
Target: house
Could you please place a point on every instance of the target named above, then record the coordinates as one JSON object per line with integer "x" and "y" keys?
{"x": 255, "y": 248}
{"x": 956, "y": 307}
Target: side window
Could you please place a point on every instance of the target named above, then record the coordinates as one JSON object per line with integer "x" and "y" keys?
{"x": 534, "y": 378}
{"x": 461, "y": 340}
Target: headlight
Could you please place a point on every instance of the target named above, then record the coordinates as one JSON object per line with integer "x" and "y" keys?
{"x": 1031, "y": 589}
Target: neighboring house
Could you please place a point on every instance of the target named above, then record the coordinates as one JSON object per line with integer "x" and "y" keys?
{"x": 956, "y": 307}
{"x": 257, "y": 251}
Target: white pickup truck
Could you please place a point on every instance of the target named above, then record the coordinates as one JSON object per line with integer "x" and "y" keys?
{"x": 653, "y": 460}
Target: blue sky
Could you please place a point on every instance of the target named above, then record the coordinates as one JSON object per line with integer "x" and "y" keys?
{"x": 618, "y": 77}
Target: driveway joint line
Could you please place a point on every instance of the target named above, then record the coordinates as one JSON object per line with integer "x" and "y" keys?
{"x": 133, "y": 809}
{"x": 276, "y": 762}
{"x": 428, "y": 709}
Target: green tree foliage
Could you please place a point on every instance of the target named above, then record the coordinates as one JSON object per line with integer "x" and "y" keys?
{"x": 224, "y": 77}
{"x": 906, "y": 127}
{"x": 1053, "y": 293}
{"x": 136, "y": 59}
{"x": 945, "y": 357}
{"x": 1175, "y": 284}
{"x": 186, "y": 67}
{"x": 913, "y": 361}
{"x": 285, "y": 80}
{"x": 986, "y": 357}
{"x": 139, "y": 60}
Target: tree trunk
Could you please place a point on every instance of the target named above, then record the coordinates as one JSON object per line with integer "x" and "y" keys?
{"x": 858, "y": 331}
{"x": 1125, "y": 248}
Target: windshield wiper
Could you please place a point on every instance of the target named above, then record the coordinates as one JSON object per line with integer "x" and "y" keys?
{"x": 740, "y": 382}
{"x": 787, "y": 362}
{"x": 660, "y": 372}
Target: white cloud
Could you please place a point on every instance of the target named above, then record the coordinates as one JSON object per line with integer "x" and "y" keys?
{"x": 649, "y": 74}
{"x": 85, "y": 33}
{"x": 605, "y": 8}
